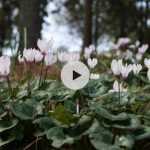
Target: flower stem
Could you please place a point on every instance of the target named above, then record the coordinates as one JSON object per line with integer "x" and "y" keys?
{"x": 45, "y": 76}
{"x": 9, "y": 86}
{"x": 41, "y": 71}
{"x": 29, "y": 80}
{"x": 119, "y": 91}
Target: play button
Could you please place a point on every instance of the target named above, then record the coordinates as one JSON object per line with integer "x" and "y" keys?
{"x": 75, "y": 75}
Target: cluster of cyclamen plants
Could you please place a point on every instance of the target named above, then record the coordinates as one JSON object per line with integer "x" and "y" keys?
{"x": 47, "y": 56}
{"x": 92, "y": 119}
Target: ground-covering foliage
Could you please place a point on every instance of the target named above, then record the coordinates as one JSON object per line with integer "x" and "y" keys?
{"x": 111, "y": 113}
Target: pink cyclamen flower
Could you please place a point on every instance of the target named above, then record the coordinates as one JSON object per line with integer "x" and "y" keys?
{"x": 5, "y": 64}
{"x": 123, "y": 41}
{"x": 143, "y": 49}
{"x": 44, "y": 46}
{"x": 32, "y": 55}
{"x": 50, "y": 59}
{"x": 125, "y": 70}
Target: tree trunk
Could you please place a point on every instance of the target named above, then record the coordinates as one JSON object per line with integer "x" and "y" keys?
{"x": 87, "y": 39}
{"x": 96, "y": 23}
{"x": 31, "y": 20}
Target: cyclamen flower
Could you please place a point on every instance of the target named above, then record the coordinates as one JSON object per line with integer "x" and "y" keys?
{"x": 136, "y": 68}
{"x": 116, "y": 66}
{"x": 67, "y": 57}
{"x": 125, "y": 70}
{"x": 32, "y": 55}
{"x": 118, "y": 87}
{"x": 139, "y": 56}
{"x": 44, "y": 46}
{"x": 128, "y": 55}
{"x": 148, "y": 74}
{"x": 74, "y": 56}
{"x": 94, "y": 76}
{"x": 20, "y": 59}
{"x": 147, "y": 63}
{"x": 123, "y": 41}
{"x": 88, "y": 51}
{"x": 4, "y": 66}
{"x": 137, "y": 43}
{"x": 62, "y": 56}
{"x": 143, "y": 49}
{"x": 50, "y": 59}
{"x": 92, "y": 62}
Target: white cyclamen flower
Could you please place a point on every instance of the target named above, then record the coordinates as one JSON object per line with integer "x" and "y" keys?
{"x": 32, "y": 55}
{"x": 68, "y": 56}
{"x": 62, "y": 56}
{"x": 148, "y": 74}
{"x": 20, "y": 59}
{"x": 88, "y": 51}
{"x": 137, "y": 43}
{"x": 5, "y": 63}
{"x": 118, "y": 87}
{"x": 44, "y": 45}
{"x": 73, "y": 56}
{"x": 94, "y": 76}
{"x": 136, "y": 68}
{"x": 92, "y": 62}
{"x": 139, "y": 56}
{"x": 128, "y": 55}
{"x": 125, "y": 70}
{"x": 143, "y": 49}
{"x": 50, "y": 59}
{"x": 116, "y": 66}
{"x": 147, "y": 63}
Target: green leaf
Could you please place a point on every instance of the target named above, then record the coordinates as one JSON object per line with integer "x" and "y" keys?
{"x": 81, "y": 127}
{"x": 94, "y": 88}
{"x": 126, "y": 142}
{"x": 4, "y": 142}
{"x": 58, "y": 137}
{"x": 44, "y": 123}
{"x": 103, "y": 113}
{"x": 62, "y": 115}
{"x": 7, "y": 124}
{"x": 23, "y": 111}
{"x": 101, "y": 138}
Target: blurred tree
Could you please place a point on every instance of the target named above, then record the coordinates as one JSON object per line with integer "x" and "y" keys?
{"x": 116, "y": 18}
{"x": 88, "y": 23}
{"x": 31, "y": 18}
{"x": 91, "y": 18}
{"x": 7, "y": 19}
